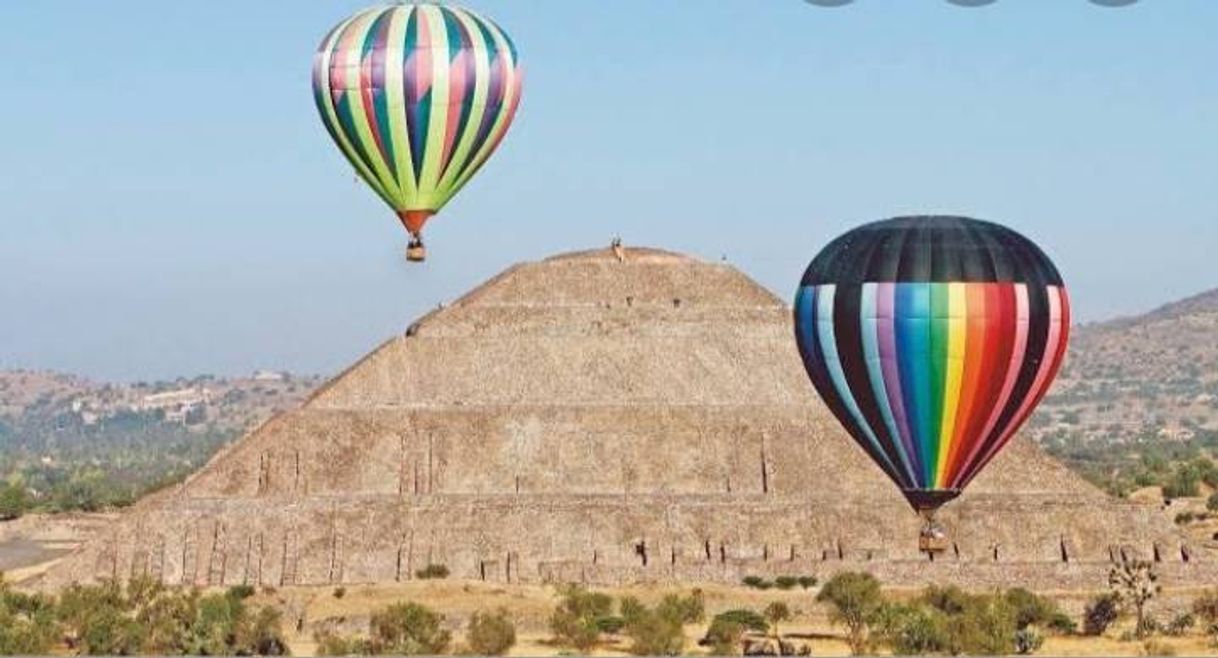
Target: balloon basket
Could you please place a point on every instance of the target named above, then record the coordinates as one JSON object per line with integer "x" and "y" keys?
{"x": 932, "y": 539}
{"x": 416, "y": 252}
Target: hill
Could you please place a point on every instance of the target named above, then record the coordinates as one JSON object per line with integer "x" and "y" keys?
{"x": 1136, "y": 404}
{"x": 71, "y": 443}
{"x": 1154, "y": 374}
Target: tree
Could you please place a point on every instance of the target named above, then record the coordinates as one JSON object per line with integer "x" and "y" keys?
{"x": 408, "y": 629}
{"x": 12, "y": 502}
{"x": 775, "y": 613}
{"x": 855, "y": 599}
{"x": 1134, "y": 583}
{"x": 491, "y": 634}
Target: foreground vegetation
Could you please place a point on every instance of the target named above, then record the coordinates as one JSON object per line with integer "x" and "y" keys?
{"x": 142, "y": 617}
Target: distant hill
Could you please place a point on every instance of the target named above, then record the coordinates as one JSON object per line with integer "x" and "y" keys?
{"x": 1136, "y": 378}
{"x": 73, "y": 443}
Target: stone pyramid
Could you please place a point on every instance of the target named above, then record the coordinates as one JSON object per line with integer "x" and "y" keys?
{"x": 605, "y": 417}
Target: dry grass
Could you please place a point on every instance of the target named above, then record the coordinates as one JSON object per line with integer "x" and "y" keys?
{"x": 531, "y": 606}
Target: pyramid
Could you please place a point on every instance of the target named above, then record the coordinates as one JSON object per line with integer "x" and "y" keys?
{"x": 609, "y": 417}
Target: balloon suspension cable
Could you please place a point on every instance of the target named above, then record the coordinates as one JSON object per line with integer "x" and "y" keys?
{"x": 415, "y": 251}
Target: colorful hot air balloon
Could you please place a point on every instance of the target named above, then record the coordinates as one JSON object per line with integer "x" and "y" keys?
{"x": 932, "y": 339}
{"x": 417, "y": 97}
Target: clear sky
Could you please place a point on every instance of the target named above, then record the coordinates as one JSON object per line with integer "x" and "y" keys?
{"x": 169, "y": 203}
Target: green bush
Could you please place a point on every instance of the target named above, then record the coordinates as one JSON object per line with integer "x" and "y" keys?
{"x": 911, "y": 630}
{"x": 408, "y": 629}
{"x": 757, "y": 582}
{"x": 656, "y": 632}
{"x": 985, "y": 626}
{"x": 806, "y": 582}
{"x": 685, "y": 609}
{"x": 1062, "y": 624}
{"x": 432, "y": 572}
{"x": 747, "y": 619}
{"x": 1030, "y": 609}
{"x": 1211, "y": 503}
{"x": 576, "y": 620}
{"x": 949, "y": 600}
{"x": 491, "y": 634}
{"x": 786, "y": 582}
{"x": 1099, "y": 614}
{"x": 723, "y": 637}
{"x": 13, "y": 502}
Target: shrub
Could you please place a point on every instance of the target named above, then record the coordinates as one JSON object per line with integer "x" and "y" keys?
{"x": 1180, "y": 624}
{"x": 1099, "y": 614}
{"x": 1027, "y": 641}
{"x": 1030, "y": 609}
{"x": 239, "y": 592}
{"x": 329, "y": 644}
{"x": 786, "y": 582}
{"x": 950, "y": 600}
{"x": 1211, "y": 503}
{"x": 339, "y": 592}
{"x": 13, "y": 502}
{"x": 491, "y": 634}
{"x": 749, "y": 620}
{"x": 656, "y": 632}
{"x": 685, "y": 609}
{"x": 1184, "y": 518}
{"x": 408, "y": 629}
{"x": 986, "y": 625}
{"x": 806, "y": 582}
{"x": 1205, "y": 607}
{"x": 1062, "y": 624}
{"x": 576, "y": 620}
{"x": 432, "y": 572}
{"x": 854, "y": 599}
{"x": 757, "y": 582}
{"x": 723, "y": 637}
{"x": 911, "y": 630}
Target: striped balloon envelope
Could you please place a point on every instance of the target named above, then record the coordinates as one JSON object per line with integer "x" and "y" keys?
{"x": 932, "y": 339}
{"x": 417, "y": 97}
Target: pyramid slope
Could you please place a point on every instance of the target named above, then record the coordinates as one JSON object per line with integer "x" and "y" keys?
{"x": 590, "y": 418}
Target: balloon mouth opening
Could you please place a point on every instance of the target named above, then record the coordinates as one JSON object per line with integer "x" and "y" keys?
{"x": 927, "y": 501}
{"x": 414, "y": 220}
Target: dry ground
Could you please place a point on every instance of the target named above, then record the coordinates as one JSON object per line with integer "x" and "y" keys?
{"x": 319, "y": 608}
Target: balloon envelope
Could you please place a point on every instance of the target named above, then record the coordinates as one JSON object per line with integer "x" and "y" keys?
{"x": 932, "y": 339}
{"x": 417, "y": 97}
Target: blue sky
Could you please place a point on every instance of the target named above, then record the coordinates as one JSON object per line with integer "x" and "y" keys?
{"x": 169, "y": 203}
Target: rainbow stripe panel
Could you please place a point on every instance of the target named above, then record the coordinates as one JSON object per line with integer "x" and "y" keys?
{"x": 417, "y": 97}
{"x": 932, "y": 377}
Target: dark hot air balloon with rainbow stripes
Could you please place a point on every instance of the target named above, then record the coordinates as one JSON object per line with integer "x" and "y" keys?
{"x": 417, "y": 97}
{"x": 932, "y": 339}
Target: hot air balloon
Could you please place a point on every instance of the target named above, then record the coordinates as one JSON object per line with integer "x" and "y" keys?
{"x": 417, "y": 97}
{"x": 932, "y": 339}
